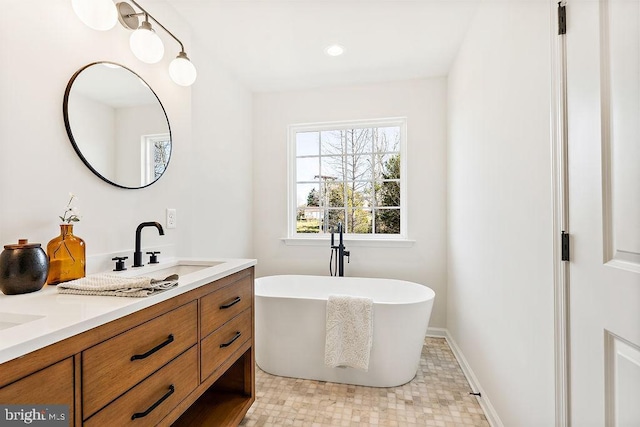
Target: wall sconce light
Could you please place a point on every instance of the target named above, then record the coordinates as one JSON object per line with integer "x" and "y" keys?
{"x": 145, "y": 44}
{"x": 100, "y": 15}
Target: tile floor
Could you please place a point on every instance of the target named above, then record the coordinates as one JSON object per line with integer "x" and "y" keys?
{"x": 437, "y": 396}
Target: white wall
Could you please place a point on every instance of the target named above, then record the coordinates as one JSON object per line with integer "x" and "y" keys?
{"x": 221, "y": 176}
{"x": 423, "y": 102}
{"x": 131, "y": 124}
{"x": 93, "y": 125}
{"x": 38, "y": 166}
{"x": 500, "y": 292}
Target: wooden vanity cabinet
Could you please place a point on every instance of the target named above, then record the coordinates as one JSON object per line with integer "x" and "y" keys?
{"x": 188, "y": 360}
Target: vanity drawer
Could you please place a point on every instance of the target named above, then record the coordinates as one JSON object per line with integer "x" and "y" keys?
{"x": 220, "y": 306}
{"x": 221, "y": 344}
{"x": 154, "y": 397}
{"x": 50, "y": 386}
{"x": 114, "y": 366}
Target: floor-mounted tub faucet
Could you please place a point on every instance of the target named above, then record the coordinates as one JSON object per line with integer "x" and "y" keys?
{"x": 137, "y": 255}
{"x": 340, "y": 253}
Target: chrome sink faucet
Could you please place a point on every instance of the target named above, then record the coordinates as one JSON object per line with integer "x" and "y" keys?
{"x": 137, "y": 255}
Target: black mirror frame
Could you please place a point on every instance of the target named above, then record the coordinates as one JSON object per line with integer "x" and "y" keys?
{"x": 67, "y": 125}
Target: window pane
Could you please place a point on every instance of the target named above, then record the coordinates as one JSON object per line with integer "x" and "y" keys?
{"x": 333, "y": 168}
{"x": 307, "y": 169}
{"x": 359, "y": 140}
{"x": 332, "y": 142}
{"x": 308, "y": 208}
{"x": 359, "y": 221}
{"x": 389, "y": 166}
{"x": 367, "y": 194}
{"x": 161, "y": 154}
{"x": 307, "y": 195}
{"x": 333, "y": 193}
{"x": 387, "y": 139}
{"x": 388, "y": 194}
{"x": 331, "y": 219}
{"x": 307, "y": 143}
{"x": 388, "y": 221}
{"x": 357, "y": 194}
{"x": 308, "y": 224}
{"x": 358, "y": 167}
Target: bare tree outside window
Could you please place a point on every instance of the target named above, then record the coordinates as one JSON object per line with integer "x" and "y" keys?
{"x": 156, "y": 153}
{"x": 351, "y": 176}
{"x": 161, "y": 153}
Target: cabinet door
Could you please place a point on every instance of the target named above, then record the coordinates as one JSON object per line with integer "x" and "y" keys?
{"x": 50, "y": 386}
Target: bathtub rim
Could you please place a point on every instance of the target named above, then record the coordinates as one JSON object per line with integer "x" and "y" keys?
{"x": 429, "y": 297}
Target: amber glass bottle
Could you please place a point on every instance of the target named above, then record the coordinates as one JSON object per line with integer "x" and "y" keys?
{"x": 66, "y": 256}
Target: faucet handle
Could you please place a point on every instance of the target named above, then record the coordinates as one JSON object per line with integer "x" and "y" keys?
{"x": 153, "y": 259}
{"x": 119, "y": 263}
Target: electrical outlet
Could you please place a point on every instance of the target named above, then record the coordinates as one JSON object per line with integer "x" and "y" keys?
{"x": 171, "y": 218}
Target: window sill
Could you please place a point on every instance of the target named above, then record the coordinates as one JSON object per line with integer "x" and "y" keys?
{"x": 371, "y": 243}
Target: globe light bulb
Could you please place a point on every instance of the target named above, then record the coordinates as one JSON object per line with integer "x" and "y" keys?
{"x": 182, "y": 71}
{"x": 99, "y": 15}
{"x": 146, "y": 44}
{"x": 334, "y": 50}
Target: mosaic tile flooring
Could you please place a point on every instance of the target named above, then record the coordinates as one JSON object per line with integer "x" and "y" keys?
{"x": 437, "y": 396}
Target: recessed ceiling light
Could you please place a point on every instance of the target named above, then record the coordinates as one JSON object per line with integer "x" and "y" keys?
{"x": 334, "y": 50}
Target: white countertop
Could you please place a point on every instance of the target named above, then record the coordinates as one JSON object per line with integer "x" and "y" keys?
{"x": 60, "y": 316}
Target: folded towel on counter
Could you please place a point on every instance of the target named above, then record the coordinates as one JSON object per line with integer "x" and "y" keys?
{"x": 349, "y": 332}
{"x": 118, "y": 286}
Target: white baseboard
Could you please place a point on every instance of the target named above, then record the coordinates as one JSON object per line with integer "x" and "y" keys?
{"x": 485, "y": 403}
{"x": 437, "y": 332}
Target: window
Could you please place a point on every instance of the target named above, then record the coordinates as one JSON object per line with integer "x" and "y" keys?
{"x": 156, "y": 151}
{"x": 350, "y": 173}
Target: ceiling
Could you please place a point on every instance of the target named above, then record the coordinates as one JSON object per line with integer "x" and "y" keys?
{"x": 276, "y": 45}
{"x": 116, "y": 87}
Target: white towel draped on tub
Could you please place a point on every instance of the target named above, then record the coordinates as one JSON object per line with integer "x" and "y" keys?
{"x": 349, "y": 331}
{"x": 118, "y": 286}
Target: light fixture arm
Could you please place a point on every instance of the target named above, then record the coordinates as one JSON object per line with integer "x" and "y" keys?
{"x": 147, "y": 46}
{"x": 124, "y": 9}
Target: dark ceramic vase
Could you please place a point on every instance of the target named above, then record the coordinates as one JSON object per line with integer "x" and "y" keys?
{"x": 23, "y": 268}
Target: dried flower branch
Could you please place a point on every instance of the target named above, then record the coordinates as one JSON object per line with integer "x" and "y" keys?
{"x": 71, "y": 213}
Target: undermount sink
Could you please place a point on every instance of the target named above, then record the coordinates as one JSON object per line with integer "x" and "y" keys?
{"x": 9, "y": 320}
{"x": 181, "y": 269}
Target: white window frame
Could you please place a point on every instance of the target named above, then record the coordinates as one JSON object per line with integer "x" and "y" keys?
{"x": 294, "y": 238}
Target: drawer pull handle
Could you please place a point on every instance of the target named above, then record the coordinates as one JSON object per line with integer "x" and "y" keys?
{"x": 155, "y": 405}
{"x": 228, "y": 343}
{"x": 230, "y": 304}
{"x": 168, "y": 341}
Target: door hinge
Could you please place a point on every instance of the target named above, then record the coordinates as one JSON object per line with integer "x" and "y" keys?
{"x": 565, "y": 246}
{"x": 562, "y": 19}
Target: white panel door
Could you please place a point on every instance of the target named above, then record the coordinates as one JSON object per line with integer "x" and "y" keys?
{"x": 603, "y": 106}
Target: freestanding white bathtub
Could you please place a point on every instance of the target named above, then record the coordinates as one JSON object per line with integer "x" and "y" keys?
{"x": 290, "y": 327}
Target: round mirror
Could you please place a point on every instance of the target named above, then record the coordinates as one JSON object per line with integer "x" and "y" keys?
{"x": 117, "y": 125}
